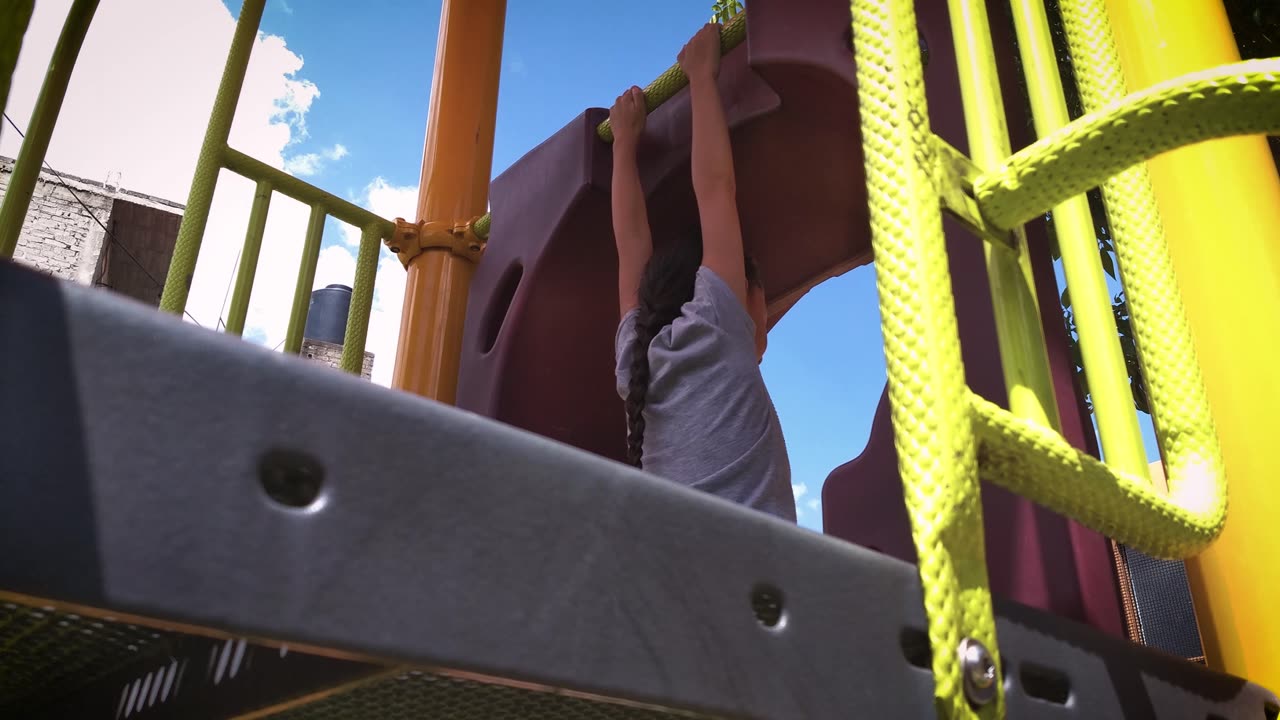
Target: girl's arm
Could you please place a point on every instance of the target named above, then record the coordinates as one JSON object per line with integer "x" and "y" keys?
{"x": 712, "y": 161}
{"x": 630, "y": 217}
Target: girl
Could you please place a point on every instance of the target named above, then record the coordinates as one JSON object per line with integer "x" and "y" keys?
{"x": 693, "y": 317}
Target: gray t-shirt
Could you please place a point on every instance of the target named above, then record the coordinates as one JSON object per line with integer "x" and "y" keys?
{"x": 709, "y": 421}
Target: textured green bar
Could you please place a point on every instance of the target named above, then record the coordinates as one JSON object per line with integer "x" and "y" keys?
{"x": 1020, "y": 336}
{"x": 15, "y": 15}
{"x": 932, "y": 429}
{"x": 1073, "y": 224}
{"x": 196, "y": 216}
{"x": 482, "y": 225}
{"x": 249, "y": 259}
{"x": 361, "y": 299}
{"x": 286, "y": 184}
{"x": 43, "y": 118}
{"x": 673, "y": 80}
{"x": 306, "y": 279}
{"x": 1235, "y": 99}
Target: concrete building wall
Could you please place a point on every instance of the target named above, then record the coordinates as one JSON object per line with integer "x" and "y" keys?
{"x": 60, "y": 236}
{"x": 327, "y": 353}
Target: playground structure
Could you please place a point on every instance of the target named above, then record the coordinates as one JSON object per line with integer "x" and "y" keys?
{"x": 600, "y": 632}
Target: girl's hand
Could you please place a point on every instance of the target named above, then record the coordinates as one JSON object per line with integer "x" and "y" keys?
{"x": 627, "y": 116}
{"x": 700, "y": 58}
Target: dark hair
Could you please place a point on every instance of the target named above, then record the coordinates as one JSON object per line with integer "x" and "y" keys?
{"x": 666, "y": 285}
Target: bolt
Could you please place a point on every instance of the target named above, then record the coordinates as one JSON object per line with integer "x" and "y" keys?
{"x": 979, "y": 671}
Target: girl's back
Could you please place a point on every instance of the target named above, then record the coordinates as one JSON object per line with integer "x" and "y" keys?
{"x": 709, "y": 422}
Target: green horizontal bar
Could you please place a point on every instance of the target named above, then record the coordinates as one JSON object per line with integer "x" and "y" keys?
{"x": 674, "y": 80}
{"x": 1237, "y": 99}
{"x": 286, "y": 184}
{"x": 482, "y": 225}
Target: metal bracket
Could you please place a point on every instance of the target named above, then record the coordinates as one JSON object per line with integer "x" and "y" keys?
{"x": 955, "y": 177}
{"x": 409, "y": 239}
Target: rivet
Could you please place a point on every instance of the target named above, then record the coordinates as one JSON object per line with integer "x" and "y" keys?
{"x": 979, "y": 671}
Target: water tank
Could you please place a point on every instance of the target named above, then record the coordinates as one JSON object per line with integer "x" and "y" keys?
{"x": 327, "y": 314}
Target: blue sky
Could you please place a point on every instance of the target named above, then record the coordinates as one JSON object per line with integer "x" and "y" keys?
{"x": 373, "y": 67}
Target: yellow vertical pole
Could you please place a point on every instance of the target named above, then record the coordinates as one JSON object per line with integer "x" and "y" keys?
{"x": 1220, "y": 202}
{"x": 456, "y": 163}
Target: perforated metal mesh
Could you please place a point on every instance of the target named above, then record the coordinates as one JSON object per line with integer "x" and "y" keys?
{"x": 44, "y": 652}
{"x": 1163, "y": 600}
{"x": 416, "y": 695}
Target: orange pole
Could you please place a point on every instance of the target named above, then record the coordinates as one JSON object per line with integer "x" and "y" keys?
{"x": 456, "y": 163}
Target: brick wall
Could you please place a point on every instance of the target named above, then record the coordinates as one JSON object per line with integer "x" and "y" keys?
{"x": 79, "y": 230}
{"x": 60, "y": 236}
{"x": 330, "y": 354}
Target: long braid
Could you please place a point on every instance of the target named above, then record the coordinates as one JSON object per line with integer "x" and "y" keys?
{"x": 638, "y": 386}
{"x": 665, "y": 286}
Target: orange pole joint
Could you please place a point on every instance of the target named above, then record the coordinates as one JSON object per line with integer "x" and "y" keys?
{"x": 411, "y": 239}
{"x": 440, "y": 251}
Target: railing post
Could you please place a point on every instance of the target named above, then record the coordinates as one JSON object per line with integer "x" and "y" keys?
{"x": 306, "y": 279}
{"x": 249, "y": 259}
{"x": 43, "y": 118}
{"x": 456, "y": 164}
{"x": 361, "y": 300}
{"x": 1220, "y": 202}
{"x": 196, "y": 216}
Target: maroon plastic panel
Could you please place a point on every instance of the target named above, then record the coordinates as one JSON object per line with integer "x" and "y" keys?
{"x": 538, "y": 344}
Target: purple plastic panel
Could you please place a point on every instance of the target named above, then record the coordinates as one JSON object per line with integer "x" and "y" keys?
{"x": 538, "y": 343}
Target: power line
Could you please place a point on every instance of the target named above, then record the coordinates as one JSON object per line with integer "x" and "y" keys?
{"x": 110, "y": 235}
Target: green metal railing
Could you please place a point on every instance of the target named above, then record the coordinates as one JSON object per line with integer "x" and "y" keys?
{"x": 323, "y": 205}
{"x": 216, "y": 155}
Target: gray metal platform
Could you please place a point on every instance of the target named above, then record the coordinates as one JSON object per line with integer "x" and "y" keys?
{"x": 204, "y": 490}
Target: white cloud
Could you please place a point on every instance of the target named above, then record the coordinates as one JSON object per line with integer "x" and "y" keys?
{"x": 308, "y": 164}
{"x": 285, "y": 7}
{"x": 798, "y": 490}
{"x": 814, "y": 503}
